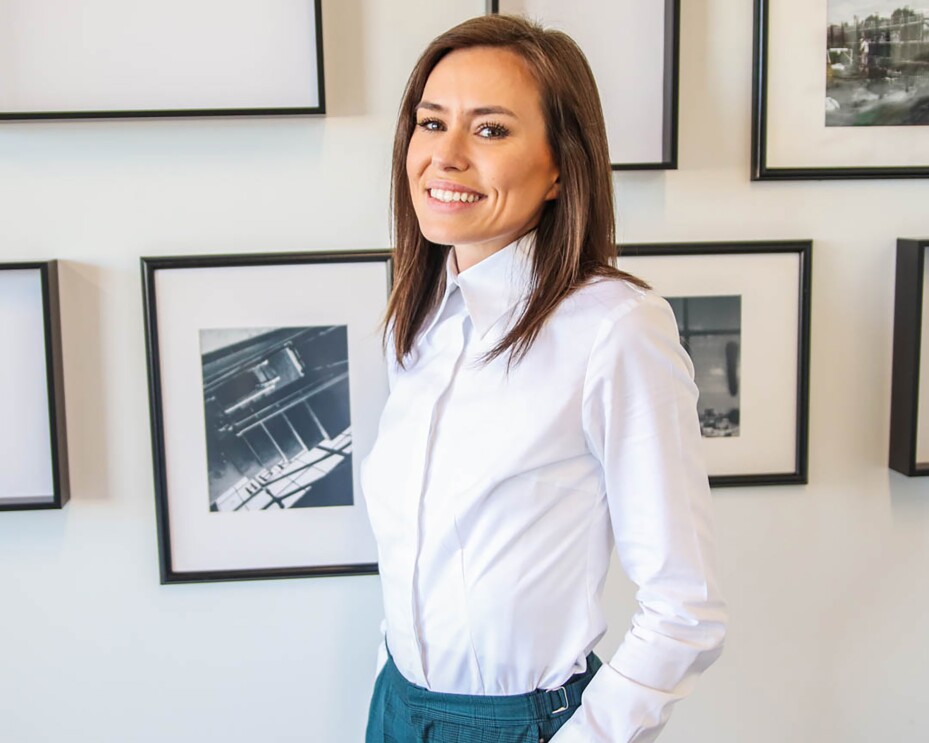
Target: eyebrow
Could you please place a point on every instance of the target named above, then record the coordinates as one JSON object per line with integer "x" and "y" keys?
{"x": 479, "y": 111}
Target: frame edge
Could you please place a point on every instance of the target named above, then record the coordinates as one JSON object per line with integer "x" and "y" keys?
{"x": 149, "y": 267}
{"x": 907, "y": 336}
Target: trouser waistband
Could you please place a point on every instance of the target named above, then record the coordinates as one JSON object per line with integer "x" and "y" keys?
{"x": 531, "y": 707}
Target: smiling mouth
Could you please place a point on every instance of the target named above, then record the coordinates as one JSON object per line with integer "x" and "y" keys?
{"x": 453, "y": 197}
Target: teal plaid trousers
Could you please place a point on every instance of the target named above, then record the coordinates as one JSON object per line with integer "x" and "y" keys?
{"x": 402, "y": 712}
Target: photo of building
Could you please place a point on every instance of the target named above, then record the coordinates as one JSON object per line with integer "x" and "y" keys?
{"x": 877, "y": 64}
{"x": 278, "y": 417}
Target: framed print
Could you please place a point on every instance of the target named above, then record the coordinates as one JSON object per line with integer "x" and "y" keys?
{"x": 909, "y": 404}
{"x": 841, "y": 90}
{"x": 266, "y": 382}
{"x": 33, "y": 441}
{"x": 632, "y": 48}
{"x": 743, "y": 313}
{"x": 110, "y": 58}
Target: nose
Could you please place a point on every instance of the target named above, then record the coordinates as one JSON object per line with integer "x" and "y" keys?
{"x": 450, "y": 151}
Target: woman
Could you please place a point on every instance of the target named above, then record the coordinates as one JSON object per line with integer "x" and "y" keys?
{"x": 541, "y": 409}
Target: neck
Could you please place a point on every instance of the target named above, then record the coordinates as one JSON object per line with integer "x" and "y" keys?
{"x": 470, "y": 255}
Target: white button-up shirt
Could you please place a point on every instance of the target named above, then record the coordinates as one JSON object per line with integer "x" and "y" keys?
{"x": 496, "y": 499}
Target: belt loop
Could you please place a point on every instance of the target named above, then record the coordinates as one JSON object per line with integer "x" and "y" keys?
{"x": 561, "y": 699}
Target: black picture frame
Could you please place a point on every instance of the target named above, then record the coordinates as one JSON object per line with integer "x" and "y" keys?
{"x": 60, "y": 494}
{"x": 906, "y": 390}
{"x": 148, "y": 113}
{"x": 670, "y": 90}
{"x": 252, "y": 271}
{"x": 721, "y": 252}
{"x": 761, "y": 170}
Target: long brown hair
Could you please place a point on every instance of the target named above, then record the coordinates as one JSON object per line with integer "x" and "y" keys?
{"x": 575, "y": 237}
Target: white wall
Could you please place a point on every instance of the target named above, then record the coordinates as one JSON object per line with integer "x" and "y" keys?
{"x": 827, "y": 582}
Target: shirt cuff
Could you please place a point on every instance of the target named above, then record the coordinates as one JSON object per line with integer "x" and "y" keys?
{"x": 616, "y": 709}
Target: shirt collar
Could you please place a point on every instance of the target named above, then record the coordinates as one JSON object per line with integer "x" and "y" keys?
{"x": 451, "y": 286}
{"x": 492, "y": 287}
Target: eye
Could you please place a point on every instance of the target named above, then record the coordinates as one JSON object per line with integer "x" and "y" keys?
{"x": 430, "y": 125}
{"x": 491, "y": 130}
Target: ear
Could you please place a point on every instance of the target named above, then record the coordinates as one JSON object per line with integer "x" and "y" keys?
{"x": 555, "y": 190}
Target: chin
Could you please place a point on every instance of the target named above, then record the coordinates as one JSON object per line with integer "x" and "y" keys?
{"x": 442, "y": 237}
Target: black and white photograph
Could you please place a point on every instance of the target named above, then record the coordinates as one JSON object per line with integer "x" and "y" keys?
{"x": 743, "y": 315}
{"x": 101, "y": 59}
{"x": 267, "y": 378}
{"x": 278, "y": 417}
{"x": 840, "y": 90}
{"x": 877, "y": 71}
{"x": 711, "y": 333}
{"x": 33, "y": 438}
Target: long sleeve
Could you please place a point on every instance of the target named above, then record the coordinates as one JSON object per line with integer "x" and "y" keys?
{"x": 641, "y": 423}
{"x": 381, "y": 657}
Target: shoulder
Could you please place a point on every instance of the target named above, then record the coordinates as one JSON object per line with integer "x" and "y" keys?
{"x": 609, "y": 322}
{"x": 633, "y": 329}
{"x": 611, "y": 303}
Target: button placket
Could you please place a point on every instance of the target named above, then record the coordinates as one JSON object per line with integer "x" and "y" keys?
{"x": 450, "y": 338}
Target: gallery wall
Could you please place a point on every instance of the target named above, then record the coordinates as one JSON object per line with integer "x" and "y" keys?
{"x": 826, "y": 581}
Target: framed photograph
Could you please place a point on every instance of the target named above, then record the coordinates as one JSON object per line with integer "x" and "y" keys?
{"x": 266, "y": 382}
{"x": 33, "y": 440}
{"x": 909, "y": 404}
{"x": 841, "y": 90}
{"x": 111, "y": 58}
{"x": 632, "y": 48}
{"x": 743, "y": 313}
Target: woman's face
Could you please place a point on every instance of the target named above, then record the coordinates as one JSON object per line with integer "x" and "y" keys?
{"x": 479, "y": 165}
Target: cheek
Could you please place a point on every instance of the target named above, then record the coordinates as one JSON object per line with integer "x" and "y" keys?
{"x": 414, "y": 160}
{"x": 543, "y": 167}
{"x": 523, "y": 175}
{"x": 524, "y": 186}
{"x": 543, "y": 178}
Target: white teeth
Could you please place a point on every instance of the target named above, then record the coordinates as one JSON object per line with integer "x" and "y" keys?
{"x": 450, "y": 196}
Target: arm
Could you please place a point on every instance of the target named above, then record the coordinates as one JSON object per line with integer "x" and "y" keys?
{"x": 392, "y": 368}
{"x": 641, "y": 423}
{"x": 381, "y": 660}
